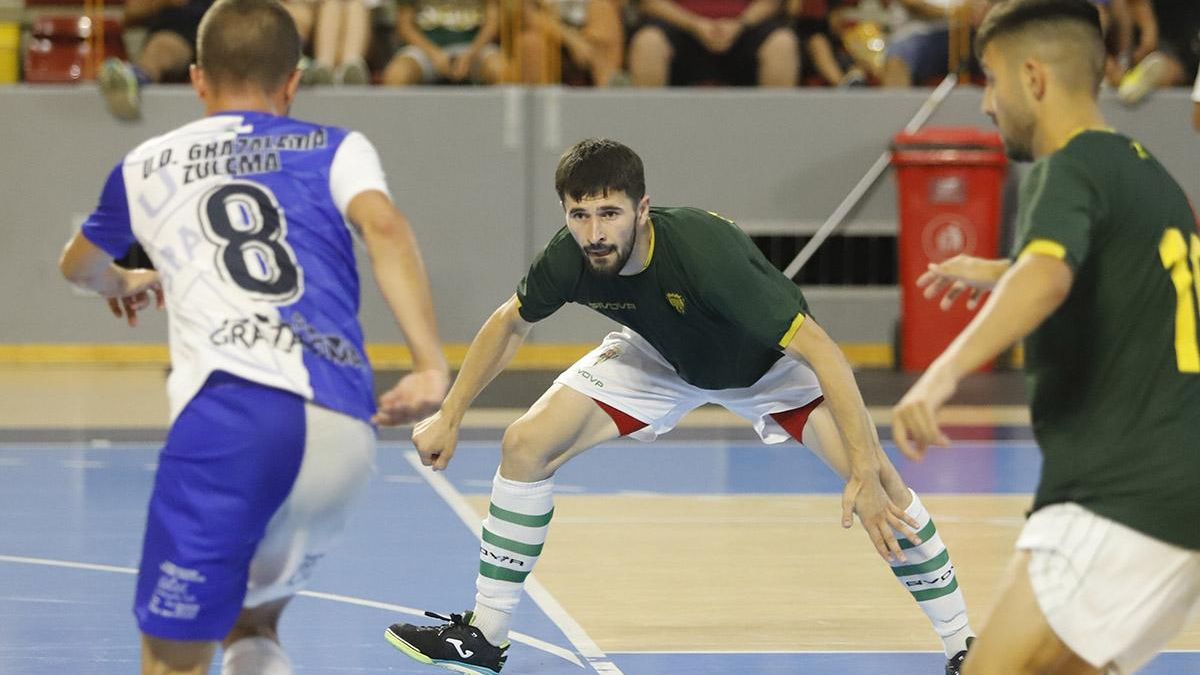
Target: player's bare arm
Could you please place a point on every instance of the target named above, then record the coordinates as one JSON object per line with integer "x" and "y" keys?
{"x": 128, "y": 291}
{"x": 490, "y": 352}
{"x": 1028, "y": 293}
{"x": 400, "y": 273}
{"x": 864, "y": 493}
{"x": 950, "y": 278}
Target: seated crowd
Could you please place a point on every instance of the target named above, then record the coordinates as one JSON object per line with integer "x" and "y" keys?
{"x": 650, "y": 43}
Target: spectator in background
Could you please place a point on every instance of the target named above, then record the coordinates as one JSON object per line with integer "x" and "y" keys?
{"x": 1117, "y": 24}
{"x": 169, "y": 49}
{"x": 737, "y": 42}
{"x": 446, "y": 41}
{"x": 340, "y": 32}
{"x": 1196, "y": 102}
{"x": 1168, "y": 48}
{"x": 822, "y": 52}
{"x": 919, "y": 43}
{"x": 304, "y": 13}
{"x": 589, "y": 34}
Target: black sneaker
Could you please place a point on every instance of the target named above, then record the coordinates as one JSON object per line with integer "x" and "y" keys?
{"x": 456, "y": 645}
{"x": 955, "y": 663}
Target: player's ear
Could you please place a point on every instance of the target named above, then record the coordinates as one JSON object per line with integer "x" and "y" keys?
{"x": 1033, "y": 77}
{"x": 291, "y": 87}
{"x": 643, "y": 208}
{"x": 199, "y": 82}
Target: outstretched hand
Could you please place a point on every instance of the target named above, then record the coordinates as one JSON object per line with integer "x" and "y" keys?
{"x": 416, "y": 396}
{"x": 138, "y": 285}
{"x": 962, "y": 273}
{"x": 915, "y": 415}
{"x": 879, "y": 515}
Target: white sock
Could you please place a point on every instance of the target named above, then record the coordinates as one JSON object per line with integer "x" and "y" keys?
{"x": 929, "y": 575}
{"x": 513, "y": 534}
{"x": 255, "y": 656}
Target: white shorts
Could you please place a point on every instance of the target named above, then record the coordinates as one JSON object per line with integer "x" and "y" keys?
{"x": 429, "y": 76}
{"x": 628, "y": 374}
{"x": 339, "y": 458}
{"x": 1113, "y": 595}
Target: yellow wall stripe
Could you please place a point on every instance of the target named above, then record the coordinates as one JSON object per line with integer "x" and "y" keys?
{"x": 1046, "y": 247}
{"x": 529, "y": 357}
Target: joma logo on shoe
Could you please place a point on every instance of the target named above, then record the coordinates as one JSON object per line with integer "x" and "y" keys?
{"x": 457, "y": 644}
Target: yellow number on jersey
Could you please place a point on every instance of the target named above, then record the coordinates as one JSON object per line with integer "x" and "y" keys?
{"x": 1183, "y": 262}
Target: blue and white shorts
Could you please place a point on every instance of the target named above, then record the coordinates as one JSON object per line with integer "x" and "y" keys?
{"x": 253, "y": 487}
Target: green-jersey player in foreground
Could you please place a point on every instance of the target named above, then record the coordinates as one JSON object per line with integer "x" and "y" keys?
{"x": 1107, "y": 568}
{"x": 706, "y": 319}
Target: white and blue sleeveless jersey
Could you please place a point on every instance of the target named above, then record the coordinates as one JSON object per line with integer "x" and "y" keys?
{"x": 243, "y": 215}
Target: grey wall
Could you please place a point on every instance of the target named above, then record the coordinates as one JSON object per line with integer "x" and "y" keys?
{"x": 473, "y": 169}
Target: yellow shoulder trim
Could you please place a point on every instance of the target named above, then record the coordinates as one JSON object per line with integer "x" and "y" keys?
{"x": 1045, "y": 247}
{"x": 791, "y": 332}
{"x": 650, "y": 254}
{"x": 1071, "y": 136}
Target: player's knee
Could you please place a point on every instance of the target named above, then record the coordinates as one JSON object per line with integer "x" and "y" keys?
{"x": 523, "y": 451}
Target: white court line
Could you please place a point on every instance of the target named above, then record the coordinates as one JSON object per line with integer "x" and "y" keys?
{"x": 821, "y": 651}
{"x": 529, "y": 640}
{"x": 702, "y": 520}
{"x": 583, "y": 643}
{"x": 748, "y": 444}
{"x": 100, "y": 444}
{"x": 774, "y": 651}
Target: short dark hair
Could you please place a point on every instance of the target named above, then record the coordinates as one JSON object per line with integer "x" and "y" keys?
{"x": 1009, "y": 17}
{"x": 594, "y": 166}
{"x": 248, "y": 42}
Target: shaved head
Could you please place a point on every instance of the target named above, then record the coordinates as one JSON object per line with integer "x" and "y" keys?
{"x": 1063, "y": 34}
{"x": 248, "y": 44}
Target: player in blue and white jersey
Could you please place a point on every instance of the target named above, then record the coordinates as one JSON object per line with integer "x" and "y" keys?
{"x": 249, "y": 218}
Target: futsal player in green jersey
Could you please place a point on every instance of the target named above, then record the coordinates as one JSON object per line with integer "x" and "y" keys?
{"x": 707, "y": 319}
{"x": 1103, "y": 289}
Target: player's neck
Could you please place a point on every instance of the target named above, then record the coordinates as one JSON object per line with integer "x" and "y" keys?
{"x": 643, "y": 249}
{"x": 245, "y": 102}
{"x": 1056, "y": 130}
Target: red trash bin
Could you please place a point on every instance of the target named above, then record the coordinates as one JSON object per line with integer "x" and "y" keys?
{"x": 949, "y": 183}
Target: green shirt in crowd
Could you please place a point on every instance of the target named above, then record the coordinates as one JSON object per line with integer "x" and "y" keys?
{"x": 709, "y": 301}
{"x": 1114, "y": 373}
{"x": 447, "y": 22}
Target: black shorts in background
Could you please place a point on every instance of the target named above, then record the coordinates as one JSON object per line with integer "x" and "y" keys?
{"x": 183, "y": 21}
{"x": 694, "y": 64}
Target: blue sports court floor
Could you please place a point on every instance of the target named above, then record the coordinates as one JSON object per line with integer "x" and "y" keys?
{"x": 71, "y": 518}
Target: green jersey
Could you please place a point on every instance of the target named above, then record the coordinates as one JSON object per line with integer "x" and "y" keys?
{"x": 1114, "y": 373}
{"x": 708, "y": 300}
{"x": 448, "y": 22}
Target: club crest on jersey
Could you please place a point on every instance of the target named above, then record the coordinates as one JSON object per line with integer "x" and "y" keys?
{"x": 610, "y": 353}
{"x": 676, "y": 301}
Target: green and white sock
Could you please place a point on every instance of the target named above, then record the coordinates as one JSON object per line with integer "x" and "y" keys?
{"x": 929, "y": 575}
{"x": 513, "y": 534}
